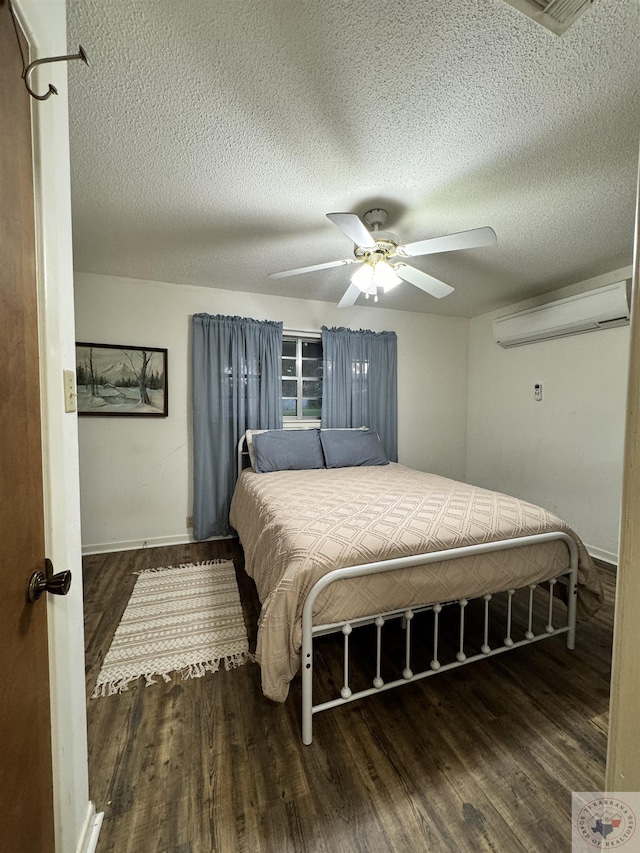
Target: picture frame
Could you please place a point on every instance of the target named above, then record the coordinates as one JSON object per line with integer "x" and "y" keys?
{"x": 121, "y": 381}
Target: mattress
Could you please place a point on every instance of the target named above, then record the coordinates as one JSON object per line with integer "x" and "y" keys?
{"x": 295, "y": 526}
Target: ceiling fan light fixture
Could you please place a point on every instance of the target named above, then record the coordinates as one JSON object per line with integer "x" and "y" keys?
{"x": 363, "y": 277}
{"x": 385, "y": 277}
{"x": 371, "y": 276}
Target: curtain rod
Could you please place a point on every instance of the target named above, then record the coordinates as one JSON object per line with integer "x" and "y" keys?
{"x": 316, "y": 333}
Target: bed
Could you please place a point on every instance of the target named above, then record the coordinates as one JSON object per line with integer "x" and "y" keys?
{"x": 334, "y": 548}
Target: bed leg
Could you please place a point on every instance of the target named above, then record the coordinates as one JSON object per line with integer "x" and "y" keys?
{"x": 307, "y": 695}
{"x": 572, "y": 595}
{"x": 571, "y": 606}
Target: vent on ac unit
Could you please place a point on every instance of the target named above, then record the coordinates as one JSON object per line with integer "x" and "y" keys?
{"x": 555, "y": 15}
{"x": 603, "y": 308}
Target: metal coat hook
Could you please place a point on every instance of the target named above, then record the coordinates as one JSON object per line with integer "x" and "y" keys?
{"x": 52, "y": 89}
{"x": 27, "y": 69}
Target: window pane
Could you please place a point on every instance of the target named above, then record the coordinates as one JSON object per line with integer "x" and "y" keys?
{"x": 311, "y": 407}
{"x": 312, "y": 349}
{"x": 289, "y": 407}
{"x": 312, "y": 368}
{"x": 311, "y": 388}
{"x": 288, "y": 367}
{"x": 309, "y": 369}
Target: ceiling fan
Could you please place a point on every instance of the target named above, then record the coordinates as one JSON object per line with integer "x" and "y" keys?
{"x": 380, "y": 257}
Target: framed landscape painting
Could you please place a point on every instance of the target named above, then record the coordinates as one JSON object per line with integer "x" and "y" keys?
{"x": 121, "y": 380}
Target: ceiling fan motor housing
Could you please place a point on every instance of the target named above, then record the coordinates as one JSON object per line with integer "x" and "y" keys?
{"x": 386, "y": 242}
{"x": 386, "y": 245}
{"x": 375, "y": 218}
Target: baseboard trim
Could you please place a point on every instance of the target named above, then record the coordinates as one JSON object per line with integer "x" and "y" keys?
{"x": 604, "y": 556}
{"x": 182, "y": 539}
{"x": 137, "y": 544}
{"x": 91, "y": 830}
{"x": 95, "y": 833}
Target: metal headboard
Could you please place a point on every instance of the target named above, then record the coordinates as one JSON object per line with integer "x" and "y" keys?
{"x": 243, "y": 454}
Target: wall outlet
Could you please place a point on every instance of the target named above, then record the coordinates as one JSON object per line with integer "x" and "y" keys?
{"x": 189, "y": 521}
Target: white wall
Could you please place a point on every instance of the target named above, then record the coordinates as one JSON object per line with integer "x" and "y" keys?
{"x": 564, "y": 453}
{"x": 74, "y": 815}
{"x": 466, "y": 408}
{"x": 136, "y": 474}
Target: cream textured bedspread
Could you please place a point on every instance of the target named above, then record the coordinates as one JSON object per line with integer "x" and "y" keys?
{"x": 296, "y": 526}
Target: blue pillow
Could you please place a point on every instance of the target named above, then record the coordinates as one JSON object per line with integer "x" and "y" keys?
{"x": 287, "y": 450}
{"x": 346, "y": 448}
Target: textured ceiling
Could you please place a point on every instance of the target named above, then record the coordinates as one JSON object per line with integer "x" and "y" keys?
{"x": 209, "y": 140}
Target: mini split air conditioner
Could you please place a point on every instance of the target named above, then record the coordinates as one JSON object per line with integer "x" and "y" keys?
{"x": 602, "y": 308}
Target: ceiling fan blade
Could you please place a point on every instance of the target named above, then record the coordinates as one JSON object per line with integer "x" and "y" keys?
{"x": 350, "y": 296}
{"x": 423, "y": 281}
{"x": 326, "y": 266}
{"x": 472, "y": 239}
{"x": 351, "y": 225}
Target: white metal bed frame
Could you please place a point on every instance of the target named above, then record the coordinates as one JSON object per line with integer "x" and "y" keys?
{"x": 310, "y": 631}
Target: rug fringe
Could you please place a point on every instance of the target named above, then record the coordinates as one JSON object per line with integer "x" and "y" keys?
{"x": 198, "y": 670}
{"x": 110, "y": 688}
{"x": 194, "y": 670}
{"x": 183, "y": 566}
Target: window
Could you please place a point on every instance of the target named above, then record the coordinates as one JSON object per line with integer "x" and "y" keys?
{"x": 301, "y": 377}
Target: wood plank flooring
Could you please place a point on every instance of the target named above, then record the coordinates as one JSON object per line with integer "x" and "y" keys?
{"x": 479, "y": 759}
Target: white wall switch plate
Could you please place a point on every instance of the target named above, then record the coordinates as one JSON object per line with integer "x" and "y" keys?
{"x": 70, "y": 396}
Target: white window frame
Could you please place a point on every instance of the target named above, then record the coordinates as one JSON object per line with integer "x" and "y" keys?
{"x": 297, "y": 420}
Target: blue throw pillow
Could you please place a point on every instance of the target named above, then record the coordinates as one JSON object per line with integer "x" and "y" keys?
{"x": 287, "y": 450}
{"x": 346, "y": 448}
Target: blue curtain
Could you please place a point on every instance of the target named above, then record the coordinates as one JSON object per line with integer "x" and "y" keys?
{"x": 237, "y": 385}
{"x": 360, "y": 383}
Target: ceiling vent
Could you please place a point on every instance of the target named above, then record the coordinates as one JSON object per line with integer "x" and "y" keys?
{"x": 555, "y": 15}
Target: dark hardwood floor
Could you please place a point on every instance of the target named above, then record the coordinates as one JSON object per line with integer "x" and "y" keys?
{"x": 479, "y": 759}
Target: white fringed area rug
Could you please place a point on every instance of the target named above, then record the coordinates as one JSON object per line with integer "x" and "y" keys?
{"x": 185, "y": 619}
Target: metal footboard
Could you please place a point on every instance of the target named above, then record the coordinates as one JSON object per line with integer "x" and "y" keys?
{"x": 309, "y": 631}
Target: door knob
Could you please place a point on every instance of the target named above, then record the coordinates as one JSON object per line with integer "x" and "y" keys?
{"x": 46, "y": 581}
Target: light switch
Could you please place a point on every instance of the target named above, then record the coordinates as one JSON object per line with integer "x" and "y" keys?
{"x": 70, "y": 396}
{"x": 537, "y": 391}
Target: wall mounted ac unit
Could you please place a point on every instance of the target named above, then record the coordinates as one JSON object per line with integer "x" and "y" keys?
{"x": 602, "y": 308}
{"x": 555, "y": 15}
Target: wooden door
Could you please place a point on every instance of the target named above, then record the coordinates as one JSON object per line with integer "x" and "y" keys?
{"x": 623, "y": 757}
{"x": 26, "y": 813}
